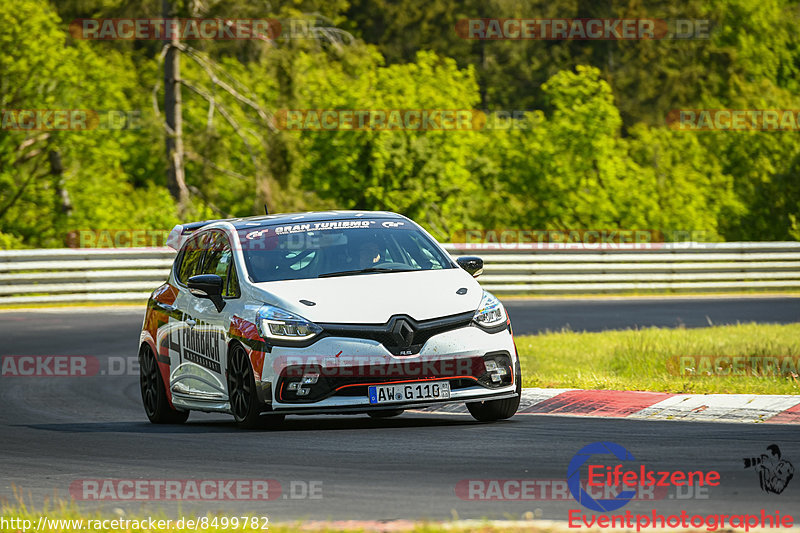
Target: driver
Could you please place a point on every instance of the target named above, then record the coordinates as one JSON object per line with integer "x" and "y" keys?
{"x": 368, "y": 254}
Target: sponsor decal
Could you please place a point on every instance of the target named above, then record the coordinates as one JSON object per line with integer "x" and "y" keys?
{"x": 201, "y": 344}
{"x": 256, "y": 234}
{"x": 321, "y": 226}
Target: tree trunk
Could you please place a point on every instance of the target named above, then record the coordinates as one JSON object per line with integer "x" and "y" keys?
{"x": 57, "y": 171}
{"x": 176, "y": 179}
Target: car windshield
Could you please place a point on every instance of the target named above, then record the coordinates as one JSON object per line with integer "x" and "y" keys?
{"x": 338, "y": 248}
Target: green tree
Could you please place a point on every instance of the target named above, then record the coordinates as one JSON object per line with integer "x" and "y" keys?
{"x": 53, "y": 181}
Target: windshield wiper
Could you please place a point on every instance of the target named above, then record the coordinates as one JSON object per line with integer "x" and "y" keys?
{"x": 364, "y": 271}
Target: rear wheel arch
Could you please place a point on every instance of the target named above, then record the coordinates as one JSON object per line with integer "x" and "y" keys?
{"x": 149, "y": 344}
{"x": 155, "y": 394}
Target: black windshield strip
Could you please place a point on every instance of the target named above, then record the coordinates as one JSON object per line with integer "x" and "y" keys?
{"x": 367, "y": 271}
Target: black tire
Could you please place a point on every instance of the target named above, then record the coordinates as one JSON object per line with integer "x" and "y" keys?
{"x": 242, "y": 393}
{"x": 385, "y": 413}
{"x": 493, "y": 410}
{"x": 154, "y": 394}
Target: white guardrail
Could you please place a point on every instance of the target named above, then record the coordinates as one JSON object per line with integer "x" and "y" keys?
{"x": 119, "y": 274}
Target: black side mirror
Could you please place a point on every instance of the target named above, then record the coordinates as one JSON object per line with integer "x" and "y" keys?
{"x": 472, "y": 264}
{"x": 208, "y": 286}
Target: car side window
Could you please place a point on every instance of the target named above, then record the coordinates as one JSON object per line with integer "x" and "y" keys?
{"x": 219, "y": 261}
{"x": 232, "y": 289}
{"x": 425, "y": 257}
{"x": 192, "y": 258}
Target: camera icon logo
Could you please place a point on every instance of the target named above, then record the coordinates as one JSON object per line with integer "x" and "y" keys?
{"x": 774, "y": 472}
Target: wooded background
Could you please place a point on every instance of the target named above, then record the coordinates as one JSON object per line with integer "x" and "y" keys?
{"x": 593, "y": 151}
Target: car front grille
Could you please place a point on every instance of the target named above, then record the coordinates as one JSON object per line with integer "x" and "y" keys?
{"x": 401, "y": 334}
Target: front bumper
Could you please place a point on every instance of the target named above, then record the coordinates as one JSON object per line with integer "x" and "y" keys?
{"x": 343, "y": 368}
{"x": 353, "y": 406}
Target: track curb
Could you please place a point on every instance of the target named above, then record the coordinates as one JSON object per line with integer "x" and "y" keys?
{"x": 729, "y": 408}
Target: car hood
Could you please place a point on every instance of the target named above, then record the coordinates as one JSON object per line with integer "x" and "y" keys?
{"x": 375, "y": 298}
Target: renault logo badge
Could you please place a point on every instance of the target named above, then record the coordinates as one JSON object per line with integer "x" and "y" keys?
{"x": 403, "y": 333}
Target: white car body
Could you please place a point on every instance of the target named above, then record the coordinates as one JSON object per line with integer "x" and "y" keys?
{"x": 399, "y": 329}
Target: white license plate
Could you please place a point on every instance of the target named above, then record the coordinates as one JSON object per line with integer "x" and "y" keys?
{"x": 404, "y": 392}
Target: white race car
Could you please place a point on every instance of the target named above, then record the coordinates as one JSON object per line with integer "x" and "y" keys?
{"x": 329, "y": 312}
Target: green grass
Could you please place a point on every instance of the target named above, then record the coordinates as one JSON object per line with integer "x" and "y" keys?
{"x": 638, "y": 359}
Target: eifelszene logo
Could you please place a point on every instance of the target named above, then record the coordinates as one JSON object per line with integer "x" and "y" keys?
{"x": 574, "y": 476}
{"x": 610, "y": 478}
{"x": 774, "y": 472}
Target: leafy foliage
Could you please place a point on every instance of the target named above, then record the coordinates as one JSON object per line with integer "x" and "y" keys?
{"x": 590, "y": 147}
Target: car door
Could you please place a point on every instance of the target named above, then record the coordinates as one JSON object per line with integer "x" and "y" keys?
{"x": 195, "y": 344}
{"x": 208, "y": 328}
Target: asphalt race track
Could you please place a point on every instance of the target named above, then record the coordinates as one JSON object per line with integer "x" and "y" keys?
{"x": 57, "y": 431}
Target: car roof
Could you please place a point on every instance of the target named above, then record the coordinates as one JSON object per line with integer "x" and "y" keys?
{"x": 180, "y": 232}
{"x": 290, "y": 218}
{"x": 312, "y": 216}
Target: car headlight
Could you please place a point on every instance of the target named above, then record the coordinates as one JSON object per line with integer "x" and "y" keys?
{"x": 278, "y": 324}
{"x": 491, "y": 312}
